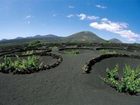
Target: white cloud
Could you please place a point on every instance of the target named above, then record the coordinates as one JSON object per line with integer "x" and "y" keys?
{"x": 101, "y": 6}
{"x": 92, "y": 17}
{"x": 70, "y": 15}
{"x": 104, "y": 19}
{"x": 28, "y": 17}
{"x": 115, "y": 27}
{"x": 71, "y": 6}
{"x": 83, "y": 16}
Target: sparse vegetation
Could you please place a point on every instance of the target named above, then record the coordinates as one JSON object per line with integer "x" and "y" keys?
{"x": 129, "y": 82}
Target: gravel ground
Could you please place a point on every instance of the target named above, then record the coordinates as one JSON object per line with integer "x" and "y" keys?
{"x": 65, "y": 85}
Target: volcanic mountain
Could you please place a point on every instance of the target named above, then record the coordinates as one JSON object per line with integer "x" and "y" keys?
{"x": 84, "y": 36}
{"x": 114, "y": 40}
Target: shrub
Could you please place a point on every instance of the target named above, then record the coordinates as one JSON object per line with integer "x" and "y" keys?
{"x": 129, "y": 82}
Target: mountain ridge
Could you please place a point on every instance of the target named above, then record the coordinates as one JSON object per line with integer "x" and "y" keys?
{"x": 82, "y": 36}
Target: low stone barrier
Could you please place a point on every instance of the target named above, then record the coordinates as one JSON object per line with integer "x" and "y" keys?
{"x": 76, "y": 48}
{"x": 111, "y": 48}
{"x": 87, "y": 67}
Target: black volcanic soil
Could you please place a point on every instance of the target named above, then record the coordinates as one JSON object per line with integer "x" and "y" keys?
{"x": 65, "y": 85}
{"x": 47, "y": 60}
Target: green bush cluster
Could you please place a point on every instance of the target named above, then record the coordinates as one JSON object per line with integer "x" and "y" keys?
{"x": 32, "y": 62}
{"x": 129, "y": 81}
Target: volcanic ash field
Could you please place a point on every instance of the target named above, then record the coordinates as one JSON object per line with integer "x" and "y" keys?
{"x": 66, "y": 84}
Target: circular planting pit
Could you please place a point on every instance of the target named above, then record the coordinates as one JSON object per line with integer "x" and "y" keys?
{"x": 87, "y": 67}
{"x": 20, "y": 63}
{"x": 75, "y": 51}
{"x": 97, "y": 68}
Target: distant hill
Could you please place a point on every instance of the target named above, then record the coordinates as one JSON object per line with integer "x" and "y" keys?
{"x": 45, "y": 36}
{"x": 114, "y": 40}
{"x": 19, "y": 38}
{"x": 48, "y": 38}
{"x": 84, "y": 36}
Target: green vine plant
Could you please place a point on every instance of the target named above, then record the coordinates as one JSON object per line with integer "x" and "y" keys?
{"x": 128, "y": 83}
{"x": 21, "y": 65}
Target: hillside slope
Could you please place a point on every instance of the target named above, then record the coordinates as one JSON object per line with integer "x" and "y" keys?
{"x": 84, "y": 36}
{"x": 114, "y": 40}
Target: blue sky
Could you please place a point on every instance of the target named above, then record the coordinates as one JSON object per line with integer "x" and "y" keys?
{"x": 107, "y": 18}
